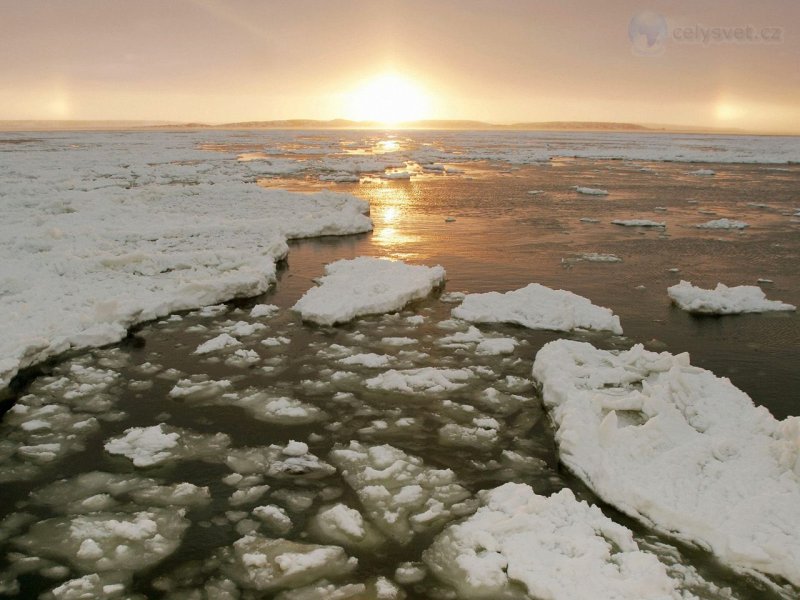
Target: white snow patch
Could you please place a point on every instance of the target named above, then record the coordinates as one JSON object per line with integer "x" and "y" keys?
{"x": 680, "y": 448}
{"x": 724, "y": 300}
{"x": 223, "y": 340}
{"x": 365, "y": 286}
{"x": 557, "y": 548}
{"x": 538, "y": 307}
{"x": 429, "y": 380}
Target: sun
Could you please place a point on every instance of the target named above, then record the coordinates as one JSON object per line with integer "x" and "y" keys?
{"x": 389, "y": 99}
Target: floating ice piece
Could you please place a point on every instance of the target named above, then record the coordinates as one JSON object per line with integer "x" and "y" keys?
{"x": 702, "y": 172}
{"x": 340, "y": 177}
{"x": 97, "y": 490}
{"x": 429, "y": 380}
{"x": 366, "y": 286}
{"x": 638, "y": 223}
{"x": 264, "y": 564}
{"x": 292, "y": 461}
{"x": 593, "y": 257}
{"x": 263, "y": 310}
{"x": 100, "y": 542}
{"x": 452, "y": 296}
{"x": 149, "y": 446}
{"x": 397, "y": 175}
{"x": 223, "y": 340}
{"x": 538, "y": 307}
{"x": 339, "y": 524}
{"x": 196, "y": 388}
{"x": 556, "y": 548}
{"x": 282, "y": 410}
{"x": 402, "y": 496}
{"x": 274, "y": 517}
{"x": 482, "y": 434}
{"x": 724, "y": 300}
{"x": 535, "y": 192}
{"x": 495, "y": 346}
{"x": 591, "y": 191}
{"x": 370, "y": 360}
{"x": 723, "y": 224}
{"x": 680, "y": 448}
{"x": 103, "y": 586}
{"x": 243, "y": 329}
{"x": 399, "y": 341}
{"x": 588, "y": 220}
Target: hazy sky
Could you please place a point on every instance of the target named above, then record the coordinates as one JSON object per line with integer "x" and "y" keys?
{"x": 501, "y": 60}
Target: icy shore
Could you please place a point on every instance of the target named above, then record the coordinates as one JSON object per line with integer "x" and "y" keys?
{"x": 100, "y": 235}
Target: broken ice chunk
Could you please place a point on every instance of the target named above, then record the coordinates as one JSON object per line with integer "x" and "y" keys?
{"x": 366, "y": 286}
{"x": 402, "y": 496}
{"x": 264, "y": 564}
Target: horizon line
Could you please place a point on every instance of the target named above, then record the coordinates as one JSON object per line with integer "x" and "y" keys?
{"x": 341, "y": 123}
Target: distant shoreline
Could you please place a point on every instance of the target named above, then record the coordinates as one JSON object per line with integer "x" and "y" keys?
{"x": 343, "y": 125}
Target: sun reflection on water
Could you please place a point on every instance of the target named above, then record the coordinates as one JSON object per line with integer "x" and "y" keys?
{"x": 389, "y": 207}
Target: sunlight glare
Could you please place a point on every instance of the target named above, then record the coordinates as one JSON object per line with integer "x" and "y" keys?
{"x": 388, "y": 99}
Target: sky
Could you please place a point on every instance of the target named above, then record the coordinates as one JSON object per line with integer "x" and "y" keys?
{"x": 703, "y": 63}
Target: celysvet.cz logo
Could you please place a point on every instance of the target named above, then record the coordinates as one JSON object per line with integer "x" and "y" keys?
{"x": 650, "y": 33}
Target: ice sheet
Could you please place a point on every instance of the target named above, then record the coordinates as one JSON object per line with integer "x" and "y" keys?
{"x": 678, "y": 447}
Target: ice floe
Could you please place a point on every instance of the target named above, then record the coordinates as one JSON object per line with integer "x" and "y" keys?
{"x": 402, "y": 496}
{"x": 150, "y": 446}
{"x": 724, "y": 300}
{"x": 538, "y": 307}
{"x": 556, "y": 548}
{"x": 265, "y": 564}
{"x": 366, "y": 286}
{"x": 723, "y": 224}
{"x": 426, "y": 380}
{"x": 127, "y": 250}
{"x": 678, "y": 447}
{"x": 292, "y": 461}
{"x": 591, "y": 191}
{"x": 638, "y": 223}
{"x": 220, "y": 342}
{"x": 100, "y": 541}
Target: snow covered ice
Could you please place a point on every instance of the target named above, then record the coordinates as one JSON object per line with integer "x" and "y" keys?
{"x": 401, "y": 495}
{"x": 234, "y": 450}
{"x": 538, "y": 307}
{"x": 114, "y": 243}
{"x": 556, "y": 548}
{"x": 724, "y": 300}
{"x": 591, "y": 191}
{"x": 723, "y": 224}
{"x": 678, "y": 447}
{"x": 366, "y": 286}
